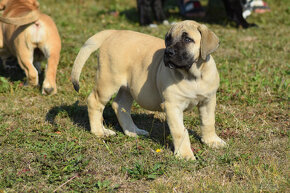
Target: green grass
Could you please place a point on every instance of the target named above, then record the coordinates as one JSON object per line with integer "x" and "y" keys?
{"x": 45, "y": 144}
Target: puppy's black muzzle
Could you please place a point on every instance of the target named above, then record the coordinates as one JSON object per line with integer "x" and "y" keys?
{"x": 170, "y": 55}
{"x": 169, "y": 52}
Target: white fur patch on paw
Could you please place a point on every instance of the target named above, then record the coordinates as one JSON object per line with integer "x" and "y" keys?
{"x": 185, "y": 155}
{"x": 109, "y": 132}
{"x": 105, "y": 133}
{"x": 214, "y": 142}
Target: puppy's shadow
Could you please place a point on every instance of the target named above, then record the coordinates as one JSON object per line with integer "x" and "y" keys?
{"x": 78, "y": 114}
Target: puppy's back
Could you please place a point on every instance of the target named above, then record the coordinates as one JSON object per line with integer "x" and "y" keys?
{"x": 130, "y": 46}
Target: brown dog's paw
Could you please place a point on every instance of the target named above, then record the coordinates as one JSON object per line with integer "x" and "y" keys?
{"x": 31, "y": 83}
{"x": 48, "y": 91}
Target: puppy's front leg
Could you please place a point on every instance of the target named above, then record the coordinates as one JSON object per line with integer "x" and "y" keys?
{"x": 207, "y": 116}
{"x": 181, "y": 142}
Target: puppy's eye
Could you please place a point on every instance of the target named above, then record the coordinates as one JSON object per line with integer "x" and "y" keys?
{"x": 187, "y": 40}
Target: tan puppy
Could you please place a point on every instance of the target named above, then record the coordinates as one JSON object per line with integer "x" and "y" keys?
{"x": 29, "y": 35}
{"x": 171, "y": 79}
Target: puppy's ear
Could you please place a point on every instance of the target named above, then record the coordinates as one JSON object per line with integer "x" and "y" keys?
{"x": 209, "y": 41}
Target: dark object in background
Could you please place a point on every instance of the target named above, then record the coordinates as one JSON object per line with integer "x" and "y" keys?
{"x": 191, "y": 8}
{"x": 147, "y": 7}
{"x": 234, "y": 10}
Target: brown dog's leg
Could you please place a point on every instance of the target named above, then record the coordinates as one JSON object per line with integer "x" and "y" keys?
{"x": 52, "y": 52}
{"x": 49, "y": 83}
{"x": 50, "y": 46}
{"x": 25, "y": 59}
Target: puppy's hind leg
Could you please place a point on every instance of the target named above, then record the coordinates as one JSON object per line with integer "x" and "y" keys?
{"x": 49, "y": 83}
{"x": 25, "y": 60}
{"x": 122, "y": 107}
{"x": 51, "y": 50}
{"x": 96, "y": 104}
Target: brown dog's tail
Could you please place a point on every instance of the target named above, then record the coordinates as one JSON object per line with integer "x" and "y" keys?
{"x": 23, "y": 20}
{"x": 91, "y": 45}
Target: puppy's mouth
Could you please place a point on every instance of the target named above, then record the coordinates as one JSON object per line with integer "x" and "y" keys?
{"x": 168, "y": 63}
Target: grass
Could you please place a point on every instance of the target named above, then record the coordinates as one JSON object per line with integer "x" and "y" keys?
{"x": 45, "y": 145}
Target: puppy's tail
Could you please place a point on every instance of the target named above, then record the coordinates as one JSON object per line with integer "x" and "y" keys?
{"x": 23, "y": 20}
{"x": 91, "y": 45}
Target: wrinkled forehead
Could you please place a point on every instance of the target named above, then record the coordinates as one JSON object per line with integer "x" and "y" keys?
{"x": 189, "y": 27}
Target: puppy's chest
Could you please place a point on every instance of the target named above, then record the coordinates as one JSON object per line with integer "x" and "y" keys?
{"x": 190, "y": 103}
{"x": 196, "y": 93}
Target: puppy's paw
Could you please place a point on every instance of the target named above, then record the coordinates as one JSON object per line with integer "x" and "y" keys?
{"x": 104, "y": 132}
{"x": 48, "y": 89}
{"x": 33, "y": 83}
{"x": 187, "y": 155}
{"x": 136, "y": 132}
{"x": 214, "y": 141}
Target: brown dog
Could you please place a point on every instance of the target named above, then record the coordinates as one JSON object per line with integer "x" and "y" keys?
{"x": 28, "y": 34}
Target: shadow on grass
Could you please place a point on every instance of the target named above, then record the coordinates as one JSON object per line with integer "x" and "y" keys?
{"x": 158, "y": 129}
{"x": 79, "y": 116}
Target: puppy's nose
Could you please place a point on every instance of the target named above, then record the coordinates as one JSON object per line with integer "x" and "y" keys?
{"x": 169, "y": 52}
